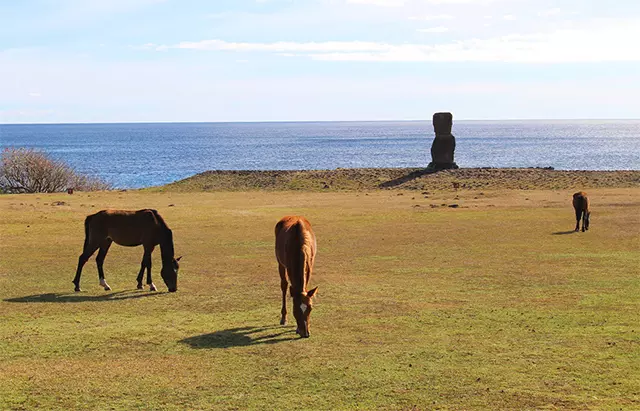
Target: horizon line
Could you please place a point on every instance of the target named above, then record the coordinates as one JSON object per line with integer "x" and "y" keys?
{"x": 315, "y": 121}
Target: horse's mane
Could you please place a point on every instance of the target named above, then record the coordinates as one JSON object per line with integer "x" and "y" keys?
{"x": 302, "y": 257}
{"x": 306, "y": 250}
{"x": 159, "y": 219}
{"x": 166, "y": 240}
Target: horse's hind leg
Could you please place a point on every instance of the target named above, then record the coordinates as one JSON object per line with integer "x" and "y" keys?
{"x": 283, "y": 286}
{"x": 104, "y": 249}
{"x": 578, "y": 217}
{"x": 587, "y": 216}
{"x": 585, "y": 222}
{"x": 87, "y": 252}
{"x": 146, "y": 261}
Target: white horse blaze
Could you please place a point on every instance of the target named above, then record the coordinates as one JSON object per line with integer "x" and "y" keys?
{"x": 303, "y": 307}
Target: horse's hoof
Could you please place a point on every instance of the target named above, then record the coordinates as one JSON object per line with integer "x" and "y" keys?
{"x": 77, "y": 289}
{"x": 140, "y": 287}
{"x": 152, "y": 287}
{"x": 283, "y": 322}
{"x": 107, "y": 288}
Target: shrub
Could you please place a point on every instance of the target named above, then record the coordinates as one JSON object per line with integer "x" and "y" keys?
{"x": 25, "y": 170}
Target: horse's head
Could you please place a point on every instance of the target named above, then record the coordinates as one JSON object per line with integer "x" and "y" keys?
{"x": 169, "y": 274}
{"x": 302, "y": 305}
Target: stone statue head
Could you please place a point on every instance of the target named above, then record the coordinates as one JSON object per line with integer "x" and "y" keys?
{"x": 442, "y": 123}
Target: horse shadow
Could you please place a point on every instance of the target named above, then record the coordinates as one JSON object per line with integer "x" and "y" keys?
{"x": 79, "y": 297}
{"x": 239, "y": 337}
{"x": 411, "y": 176}
{"x": 563, "y": 232}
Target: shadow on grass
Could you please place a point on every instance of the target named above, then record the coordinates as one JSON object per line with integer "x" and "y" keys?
{"x": 401, "y": 180}
{"x": 563, "y": 232}
{"x": 240, "y": 337}
{"x": 79, "y": 297}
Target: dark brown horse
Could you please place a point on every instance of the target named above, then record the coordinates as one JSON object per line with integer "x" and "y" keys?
{"x": 130, "y": 229}
{"x": 581, "y": 206}
{"x": 295, "y": 252}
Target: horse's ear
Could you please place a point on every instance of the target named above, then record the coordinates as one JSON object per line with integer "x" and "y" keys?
{"x": 178, "y": 259}
{"x": 312, "y": 292}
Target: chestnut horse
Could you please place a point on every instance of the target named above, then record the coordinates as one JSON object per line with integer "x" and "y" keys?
{"x": 295, "y": 252}
{"x": 130, "y": 229}
{"x": 581, "y": 205}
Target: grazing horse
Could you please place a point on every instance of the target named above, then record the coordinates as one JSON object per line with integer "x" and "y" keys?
{"x": 295, "y": 252}
{"x": 130, "y": 229}
{"x": 581, "y": 205}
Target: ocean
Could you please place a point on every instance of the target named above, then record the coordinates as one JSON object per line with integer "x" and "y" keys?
{"x": 135, "y": 155}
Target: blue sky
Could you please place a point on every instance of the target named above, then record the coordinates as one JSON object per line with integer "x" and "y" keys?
{"x": 296, "y": 60}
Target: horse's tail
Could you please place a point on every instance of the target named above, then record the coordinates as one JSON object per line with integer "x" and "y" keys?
{"x": 585, "y": 205}
{"x": 87, "y": 230}
{"x": 581, "y": 207}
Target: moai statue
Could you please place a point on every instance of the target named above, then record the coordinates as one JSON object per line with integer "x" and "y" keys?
{"x": 444, "y": 144}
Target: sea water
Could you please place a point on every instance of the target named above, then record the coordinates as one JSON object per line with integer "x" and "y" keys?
{"x": 137, "y": 155}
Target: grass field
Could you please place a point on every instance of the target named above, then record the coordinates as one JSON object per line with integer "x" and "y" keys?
{"x": 494, "y": 304}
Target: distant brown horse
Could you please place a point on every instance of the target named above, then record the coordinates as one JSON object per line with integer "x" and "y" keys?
{"x": 295, "y": 252}
{"x": 130, "y": 229}
{"x": 581, "y": 206}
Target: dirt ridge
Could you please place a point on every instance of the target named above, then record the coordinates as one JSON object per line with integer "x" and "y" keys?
{"x": 356, "y": 179}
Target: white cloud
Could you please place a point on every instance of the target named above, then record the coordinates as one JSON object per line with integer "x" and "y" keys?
{"x": 379, "y": 3}
{"x": 607, "y": 41}
{"x": 402, "y": 3}
{"x": 432, "y": 17}
{"x": 439, "y": 29}
{"x": 550, "y": 12}
{"x": 278, "y": 47}
{"x": 166, "y": 88}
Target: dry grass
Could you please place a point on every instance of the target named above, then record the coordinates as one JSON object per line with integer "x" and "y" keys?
{"x": 491, "y": 305}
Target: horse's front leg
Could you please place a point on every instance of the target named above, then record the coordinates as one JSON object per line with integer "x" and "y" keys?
{"x": 147, "y": 261}
{"x": 141, "y": 275}
{"x": 283, "y": 286}
{"x": 104, "y": 248}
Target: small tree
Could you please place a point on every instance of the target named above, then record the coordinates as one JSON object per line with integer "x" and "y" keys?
{"x": 25, "y": 170}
